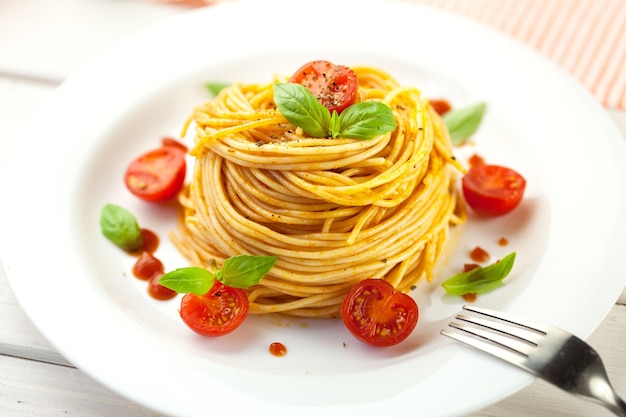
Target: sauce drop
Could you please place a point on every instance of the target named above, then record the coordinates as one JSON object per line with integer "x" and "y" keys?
{"x": 146, "y": 266}
{"x": 278, "y": 349}
{"x": 150, "y": 242}
{"x": 470, "y": 267}
{"x": 158, "y": 291}
{"x": 478, "y": 254}
{"x": 441, "y": 106}
{"x": 503, "y": 241}
{"x": 149, "y": 268}
{"x": 470, "y": 297}
{"x": 476, "y": 160}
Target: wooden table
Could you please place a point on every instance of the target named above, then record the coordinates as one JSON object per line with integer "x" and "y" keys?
{"x": 41, "y": 42}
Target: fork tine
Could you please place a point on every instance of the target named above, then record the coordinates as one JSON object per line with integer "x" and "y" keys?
{"x": 500, "y": 339}
{"x": 529, "y": 324}
{"x": 485, "y": 346}
{"x": 502, "y": 335}
{"x": 506, "y": 327}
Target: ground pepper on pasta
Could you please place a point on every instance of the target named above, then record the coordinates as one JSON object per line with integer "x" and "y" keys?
{"x": 334, "y": 211}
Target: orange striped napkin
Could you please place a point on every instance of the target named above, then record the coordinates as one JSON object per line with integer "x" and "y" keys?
{"x": 585, "y": 37}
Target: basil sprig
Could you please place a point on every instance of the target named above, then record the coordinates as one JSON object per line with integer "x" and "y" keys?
{"x": 463, "y": 122}
{"x": 214, "y": 87}
{"x": 480, "y": 280}
{"x": 120, "y": 227}
{"x": 359, "y": 121}
{"x": 240, "y": 271}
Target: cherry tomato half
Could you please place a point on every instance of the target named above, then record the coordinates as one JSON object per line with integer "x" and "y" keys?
{"x": 375, "y": 313}
{"x": 157, "y": 175}
{"x": 334, "y": 86}
{"x": 493, "y": 190}
{"x": 216, "y": 313}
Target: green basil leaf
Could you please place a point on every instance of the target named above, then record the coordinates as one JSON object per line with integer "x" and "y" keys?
{"x": 188, "y": 280}
{"x": 366, "y": 120}
{"x": 300, "y": 107}
{"x": 480, "y": 280}
{"x": 215, "y": 87}
{"x": 243, "y": 271}
{"x": 334, "y": 126}
{"x": 120, "y": 227}
{"x": 463, "y": 122}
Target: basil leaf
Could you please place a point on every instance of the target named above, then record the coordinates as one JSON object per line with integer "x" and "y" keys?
{"x": 366, "y": 120}
{"x": 334, "y": 127}
{"x": 480, "y": 280}
{"x": 188, "y": 280}
{"x": 358, "y": 121}
{"x": 243, "y": 271}
{"x": 215, "y": 87}
{"x": 120, "y": 227}
{"x": 463, "y": 122}
{"x": 300, "y": 107}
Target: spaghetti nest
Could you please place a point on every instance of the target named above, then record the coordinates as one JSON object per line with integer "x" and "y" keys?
{"x": 334, "y": 211}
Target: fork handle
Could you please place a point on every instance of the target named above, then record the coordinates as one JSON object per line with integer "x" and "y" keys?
{"x": 613, "y": 402}
{"x": 618, "y": 407}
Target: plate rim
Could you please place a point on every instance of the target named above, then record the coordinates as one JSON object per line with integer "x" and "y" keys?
{"x": 27, "y": 300}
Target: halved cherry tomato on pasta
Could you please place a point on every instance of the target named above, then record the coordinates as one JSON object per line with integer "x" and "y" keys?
{"x": 334, "y": 86}
{"x": 216, "y": 313}
{"x": 375, "y": 313}
{"x": 493, "y": 190}
{"x": 159, "y": 174}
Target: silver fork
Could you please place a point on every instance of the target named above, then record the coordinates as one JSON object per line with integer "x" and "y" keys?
{"x": 545, "y": 351}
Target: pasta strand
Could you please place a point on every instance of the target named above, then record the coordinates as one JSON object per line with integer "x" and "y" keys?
{"x": 334, "y": 211}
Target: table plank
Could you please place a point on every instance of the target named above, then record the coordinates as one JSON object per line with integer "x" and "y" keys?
{"x": 18, "y": 336}
{"x": 31, "y": 388}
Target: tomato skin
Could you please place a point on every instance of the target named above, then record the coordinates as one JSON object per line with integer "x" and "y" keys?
{"x": 157, "y": 175}
{"x": 216, "y": 313}
{"x": 376, "y": 314}
{"x": 493, "y": 190}
{"x": 334, "y": 86}
{"x": 167, "y": 141}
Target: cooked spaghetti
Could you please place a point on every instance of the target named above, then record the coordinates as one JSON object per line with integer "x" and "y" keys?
{"x": 334, "y": 211}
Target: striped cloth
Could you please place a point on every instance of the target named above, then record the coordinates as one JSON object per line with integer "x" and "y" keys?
{"x": 585, "y": 37}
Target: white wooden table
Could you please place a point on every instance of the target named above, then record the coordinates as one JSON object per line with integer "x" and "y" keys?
{"x": 41, "y": 42}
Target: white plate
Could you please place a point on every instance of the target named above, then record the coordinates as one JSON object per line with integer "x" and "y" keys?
{"x": 569, "y": 233}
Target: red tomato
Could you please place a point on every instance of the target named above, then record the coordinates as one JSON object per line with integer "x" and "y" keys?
{"x": 167, "y": 141}
{"x": 216, "y": 313}
{"x": 334, "y": 86}
{"x": 375, "y": 313}
{"x": 157, "y": 175}
{"x": 493, "y": 190}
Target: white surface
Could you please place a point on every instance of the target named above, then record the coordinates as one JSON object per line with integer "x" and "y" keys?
{"x": 50, "y": 39}
{"x": 109, "y": 356}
